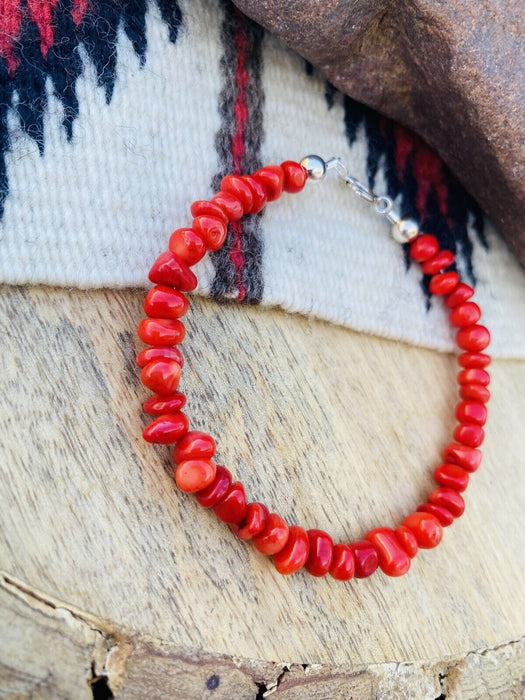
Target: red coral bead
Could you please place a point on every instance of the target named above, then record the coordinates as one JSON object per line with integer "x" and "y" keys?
{"x": 473, "y": 338}
{"x": 466, "y": 314}
{"x": 366, "y": 558}
{"x": 448, "y": 498}
{"x": 474, "y": 375}
{"x": 426, "y": 528}
{"x": 443, "y": 282}
{"x": 342, "y": 567}
{"x": 195, "y": 474}
{"x": 321, "y": 551}
{"x": 161, "y": 376}
{"x": 159, "y": 353}
{"x": 424, "y": 247}
{"x": 165, "y": 302}
{"x": 466, "y": 457}
{"x": 393, "y": 559}
{"x": 451, "y": 475}
{"x": 217, "y": 489}
{"x": 407, "y": 540}
{"x": 459, "y": 295}
{"x": 474, "y": 360}
{"x": 440, "y": 261}
{"x": 207, "y": 208}
{"x": 232, "y": 508}
{"x": 161, "y": 331}
{"x": 476, "y": 392}
{"x": 471, "y": 412}
{"x": 444, "y": 516}
{"x": 253, "y": 522}
{"x": 231, "y": 205}
{"x": 187, "y": 245}
{"x": 164, "y": 404}
{"x": 166, "y": 429}
{"x": 194, "y": 445}
{"x": 169, "y": 269}
{"x": 211, "y": 229}
{"x": 273, "y": 538}
{"x": 469, "y": 434}
{"x": 295, "y": 177}
{"x": 236, "y": 185}
{"x": 258, "y": 194}
{"x": 271, "y": 178}
{"x": 295, "y": 552}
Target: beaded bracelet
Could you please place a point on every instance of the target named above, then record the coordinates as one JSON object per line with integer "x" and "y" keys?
{"x": 292, "y": 546}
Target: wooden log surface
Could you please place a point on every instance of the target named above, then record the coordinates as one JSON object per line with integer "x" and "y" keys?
{"x": 107, "y": 568}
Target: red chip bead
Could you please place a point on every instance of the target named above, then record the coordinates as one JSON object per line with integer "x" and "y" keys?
{"x": 475, "y": 392}
{"x": 161, "y": 376}
{"x": 321, "y": 550}
{"x": 187, "y": 245}
{"x": 164, "y": 404}
{"x": 466, "y": 314}
{"x": 236, "y": 185}
{"x": 205, "y": 207}
{"x": 426, "y": 528}
{"x": 194, "y": 445}
{"x": 407, "y": 539}
{"x": 342, "y": 567}
{"x": 366, "y": 558}
{"x": 473, "y": 338}
{"x": 444, "y": 516}
{"x": 295, "y": 177}
{"x": 212, "y": 230}
{"x": 165, "y": 302}
{"x": 443, "y": 283}
{"x": 469, "y": 434}
{"x": 440, "y": 261}
{"x": 159, "y": 353}
{"x": 451, "y": 475}
{"x": 471, "y": 412}
{"x": 474, "y": 375}
{"x": 169, "y": 269}
{"x": 258, "y": 194}
{"x": 217, "y": 489}
{"x": 253, "y": 522}
{"x": 295, "y": 552}
{"x": 166, "y": 429}
{"x": 393, "y": 559}
{"x": 448, "y": 498}
{"x": 230, "y": 205}
{"x": 462, "y": 455}
{"x": 273, "y": 538}
{"x": 459, "y": 295}
{"x": 424, "y": 247}
{"x": 271, "y": 178}
{"x": 474, "y": 360}
{"x": 232, "y": 508}
{"x": 161, "y": 331}
{"x": 195, "y": 474}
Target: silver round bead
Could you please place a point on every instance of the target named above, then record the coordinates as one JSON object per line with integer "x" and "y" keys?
{"x": 405, "y": 230}
{"x": 315, "y": 167}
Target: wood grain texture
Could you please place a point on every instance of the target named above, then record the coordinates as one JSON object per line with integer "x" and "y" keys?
{"x": 330, "y": 428}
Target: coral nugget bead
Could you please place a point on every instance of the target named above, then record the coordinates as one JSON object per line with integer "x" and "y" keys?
{"x": 471, "y": 412}
{"x": 449, "y": 499}
{"x": 473, "y": 338}
{"x": 208, "y": 208}
{"x": 273, "y": 538}
{"x": 321, "y": 550}
{"x": 474, "y": 392}
{"x": 459, "y": 295}
{"x": 444, "y": 516}
{"x": 165, "y": 302}
{"x": 236, "y": 185}
{"x": 169, "y": 269}
{"x": 295, "y": 176}
{"x": 212, "y": 230}
{"x": 195, "y": 474}
{"x": 162, "y": 352}
{"x": 166, "y": 429}
{"x": 232, "y": 508}
{"x": 466, "y": 314}
{"x": 187, "y": 245}
{"x": 474, "y": 360}
{"x": 253, "y": 522}
{"x": 271, "y": 178}
{"x": 161, "y": 376}
{"x": 164, "y": 404}
{"x": 161, "y": 331}
{"x": 474, "y": 375}
{"x": 230, "y": 205}
{"x": 424, "y": 247}
{"x": 469, "y": 434}
{"x": 217, "y": 490}
{"x": 443, "y": 283}
{"x": 407, "y": 539}
{"x": 295, "y": 552}
{"x": 464, "y": 456}
{"x": 441, "y": 260}
{"x": 194, "y": 445}
{"x": 342, "y": 567}
{"x": 258, "y": 194}
{"x": 451, "y": 475}
{"x": 366, "y": 558}
{"x": 426, "y": 528}
{"x": 393, "y": 559}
